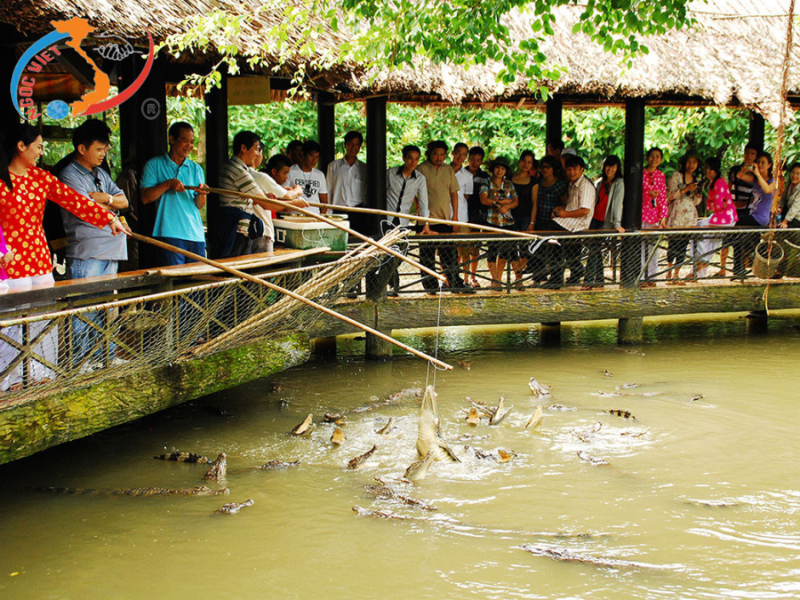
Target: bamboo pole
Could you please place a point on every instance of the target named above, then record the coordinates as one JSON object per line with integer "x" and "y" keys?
{"x": 419, "y": 219}
{"x": 375, "y": 211}
{"x": 289, "y": 293}
{"x": 333, "y": 223}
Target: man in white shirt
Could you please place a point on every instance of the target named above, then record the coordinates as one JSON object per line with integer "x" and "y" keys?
{"x": 574, "y": 217}
{"x": 466, "y": 183}
{"x": 310, "y": 179}
{"x": 347, "y": 179}
{"x": 406, "y": 186}
{"x": 277, "y": 169}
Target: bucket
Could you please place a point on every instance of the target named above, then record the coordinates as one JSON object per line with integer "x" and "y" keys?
{"x": 792, "y": 267}
{"x": 764, "y": 267}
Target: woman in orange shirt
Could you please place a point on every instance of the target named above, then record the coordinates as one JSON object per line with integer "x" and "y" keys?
{"x": 24, "y": 189}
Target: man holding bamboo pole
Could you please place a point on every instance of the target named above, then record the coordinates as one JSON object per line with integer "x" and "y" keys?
{"x": 442, "y": 204}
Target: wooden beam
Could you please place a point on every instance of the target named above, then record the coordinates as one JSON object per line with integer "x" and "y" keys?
{"x": 756, "y": 133}
{"x": 539, "y": 306}
{"x": 553, "y": 127}
{"x": 143, "y": 135}
{"x": 217, "y": 154}
{"x": 632, "y": 204}
{"x": 376, "y": 164}
{"x": 326, "y": 129}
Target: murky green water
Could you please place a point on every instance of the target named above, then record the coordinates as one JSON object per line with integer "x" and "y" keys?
{"x": 700, "y": 499}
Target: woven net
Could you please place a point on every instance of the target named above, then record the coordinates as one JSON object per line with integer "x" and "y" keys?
{"x": 41, "y": 354}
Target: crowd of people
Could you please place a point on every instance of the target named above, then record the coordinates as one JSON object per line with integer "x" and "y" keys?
{"x": 553, "y": 194}
{"x": 550, "y": 195}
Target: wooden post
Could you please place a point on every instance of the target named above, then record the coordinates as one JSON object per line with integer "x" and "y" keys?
{"x": 630, "y": 331}
{"x": 376, "y": 158}
{"x": 554, "y": 117}
{"x": 757, "y": 322}
{"x": 217, "y": 153}
{"x": 143, "y": 135}
{"x": 326, "y": 129}
{"x": 324, "y": 347}
{"x": 630, "y": 259}
{"x": 756, "y": 130}
{"x": 550, "y": 334}
{"x": 8, "y": 60}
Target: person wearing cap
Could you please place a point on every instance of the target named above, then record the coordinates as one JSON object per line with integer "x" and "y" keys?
{"x": 499, "y": 197}
{"x": 574, "y": 217}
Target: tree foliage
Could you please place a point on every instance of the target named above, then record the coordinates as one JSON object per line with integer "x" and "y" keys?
{"x": 383, "y": 35}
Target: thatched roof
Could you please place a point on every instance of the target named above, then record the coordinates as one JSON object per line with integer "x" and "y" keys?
{"x": 733, "y": 56}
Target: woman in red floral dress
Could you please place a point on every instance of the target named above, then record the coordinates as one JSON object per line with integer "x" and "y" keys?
{"x": 24, "y": 189}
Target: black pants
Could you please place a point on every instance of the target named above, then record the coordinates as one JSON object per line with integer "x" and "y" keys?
{"x": 594, "y": 262}
{"x": 744, "y": 244}
{"x": 566, "y": 254}
{"x": 448, "y": 256}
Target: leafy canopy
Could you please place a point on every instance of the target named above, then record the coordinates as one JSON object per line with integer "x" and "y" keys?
{"x": 377, "y": 35}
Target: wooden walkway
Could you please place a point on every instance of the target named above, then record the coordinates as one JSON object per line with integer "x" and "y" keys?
{"x": 536, "y": 305}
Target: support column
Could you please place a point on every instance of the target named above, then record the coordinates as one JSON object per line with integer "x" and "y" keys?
{"x": 143, "y": 135}
{"x": 630, "y": 259}
{"x": 756, "y": 130}
{"x": 554, "y": 117}
{"x": 324, "y": 347}
{"x": 326, "y": 129}
{"x": 217, "y": 153}
{"x": 550, "y": 334}
{"x": 376, "y": 157}
{"x": 8, "y": 60}
{"x": 757, "y": 322}
{"x": 630, "y": 331}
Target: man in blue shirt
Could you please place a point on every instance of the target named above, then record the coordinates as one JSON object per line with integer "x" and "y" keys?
{"x": 165, "y": 178}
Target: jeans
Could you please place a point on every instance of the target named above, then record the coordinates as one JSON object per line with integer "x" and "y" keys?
{"x": 84, "y": 336}
{"x": 169, "y": 258}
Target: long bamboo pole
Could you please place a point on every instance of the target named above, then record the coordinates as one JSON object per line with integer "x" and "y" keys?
{"x": 333, "y": 223}
{"x": 388, "y": 213}
{"x": 277, "y": 288}
{"x": 385, "y": 213}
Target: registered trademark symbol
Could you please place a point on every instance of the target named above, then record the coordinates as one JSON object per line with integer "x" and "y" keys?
{"x": 151, "y": 109}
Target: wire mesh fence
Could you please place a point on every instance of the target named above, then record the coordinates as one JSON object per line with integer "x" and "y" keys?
{"x": 594, "y": 259}
{"x": 46, "y": 352}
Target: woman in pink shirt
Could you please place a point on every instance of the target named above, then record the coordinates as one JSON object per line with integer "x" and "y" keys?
{"x": 720, "y": 204}
{"x": 654, "y": 210}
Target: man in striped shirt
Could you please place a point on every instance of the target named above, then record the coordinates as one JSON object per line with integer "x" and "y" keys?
{"x": 239, "y": 227}
{"x": 574, "y": 217}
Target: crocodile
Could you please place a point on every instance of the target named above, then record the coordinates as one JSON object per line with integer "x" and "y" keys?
{"x": 356, "y": 462}
{"x": 336, "y": 418}
{"x": 395, "y": 398}
{"x": 201, "y": 490}
{"x": 418, "y": 470}
{"x": 187, "y": 457}
{"x": 337, "y": 437}
{"x": 621, "y": 413}
{"x": 429, "y": 437}
{"x": 565, "y": 555}
{"x": 536, "y": 419}
{"x": 306, "y": 427}
{"x": 218, "y": 469}
{"x": 499, "y": 413}
{"x": 382, "y": 491}
{"x": 234, "y": 507}
{"x": 539, "y": 389}
{"x": 386, "y": 428}
{"x": 278, "y": 464}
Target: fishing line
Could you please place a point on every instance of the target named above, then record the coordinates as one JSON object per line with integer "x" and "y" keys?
{"x": 436, "y": 344}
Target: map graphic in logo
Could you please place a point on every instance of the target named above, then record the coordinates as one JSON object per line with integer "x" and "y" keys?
{"x": 114, "y": 48}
